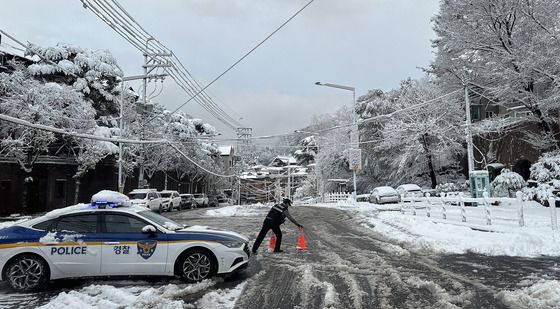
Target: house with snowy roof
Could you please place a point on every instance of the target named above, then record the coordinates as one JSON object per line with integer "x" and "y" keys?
{"x": 9, "y": 53}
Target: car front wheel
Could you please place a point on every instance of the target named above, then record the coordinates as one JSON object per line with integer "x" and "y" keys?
{"x": 196, "y": 265}
{"x": 26, "y": 273}
{"x": 160, "y": 209}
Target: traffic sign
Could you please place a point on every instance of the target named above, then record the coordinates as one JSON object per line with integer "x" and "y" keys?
{"x": 355, "y": 159}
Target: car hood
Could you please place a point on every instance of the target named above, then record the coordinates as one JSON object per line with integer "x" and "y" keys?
{"x": 138, "y": 201}
{"x": 213, "y": 231}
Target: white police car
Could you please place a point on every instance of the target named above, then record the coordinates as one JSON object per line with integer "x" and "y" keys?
{"x": 107, "y": 238}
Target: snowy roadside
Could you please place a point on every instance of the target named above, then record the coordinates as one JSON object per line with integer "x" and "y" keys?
{"x": 166, "y": 296}
{"x": 420, "y": 232}
{"x": 238, "y": 211}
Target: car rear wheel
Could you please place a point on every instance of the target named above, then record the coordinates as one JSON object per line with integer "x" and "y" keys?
{"x": 196, "y": 265}
{"x": 26, "y": 272}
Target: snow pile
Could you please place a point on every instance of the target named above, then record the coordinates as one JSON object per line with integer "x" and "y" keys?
{"x": 420, "y": 232}
{"x": 543, "y": 294}
{"x": 108, "y": 196}
{"x": 61, "y": 211}
{"x": 108, "y": 296}
{"x": 220, "y": 299}
{"x": 10, "y": 223}
{"x": 238, "y": 211}
{"x": 51, "y": 238}
{"x": 423, "y": 234}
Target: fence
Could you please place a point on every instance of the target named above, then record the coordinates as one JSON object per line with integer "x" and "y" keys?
{"x": 336, "y": 197}
{"x": 454, "y": 208}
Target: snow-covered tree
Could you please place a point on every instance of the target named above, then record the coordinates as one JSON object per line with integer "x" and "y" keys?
{"x": 505, "y": 50}
{"x": 50, "y": 104}
{"x": 546, "y": 172}
{"x": 508, "y": 182}
{"x": 308, "y": 150}
{"x": 94, "y": 73}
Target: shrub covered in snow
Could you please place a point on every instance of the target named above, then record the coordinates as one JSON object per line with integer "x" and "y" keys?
{"x": 546, "y": 172}
{"x": 547, "y": 168}
{"x": 448, "y": 187}
{"x": 508, "y": 182}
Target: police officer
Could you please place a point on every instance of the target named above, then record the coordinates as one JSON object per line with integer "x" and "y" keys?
{"x": 275, "y": 217}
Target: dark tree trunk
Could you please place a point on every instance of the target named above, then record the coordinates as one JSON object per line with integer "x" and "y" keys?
{"x": 431, "y": 170}
{"x": 25, "y": 195}
{"x": 77, "y": 190}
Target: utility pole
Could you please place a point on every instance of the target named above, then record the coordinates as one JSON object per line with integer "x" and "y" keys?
{"x": 152, "y": 61}
{"x": 121, "y": 120}
{"x": 470, "y": 155}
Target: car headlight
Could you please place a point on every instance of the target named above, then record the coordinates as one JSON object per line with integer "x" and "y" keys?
{"x": 231, "y": 243}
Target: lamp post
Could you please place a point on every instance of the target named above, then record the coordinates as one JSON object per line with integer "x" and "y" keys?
{"x": 121, "y": 119}
{"x": 354, "y": 137}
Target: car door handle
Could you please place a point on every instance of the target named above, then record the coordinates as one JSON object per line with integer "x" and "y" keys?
{"x": 111, "y": 243}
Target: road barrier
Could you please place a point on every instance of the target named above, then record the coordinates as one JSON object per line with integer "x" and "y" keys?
{"x": 335, "y": 197}
{"x": 432, "y": 206}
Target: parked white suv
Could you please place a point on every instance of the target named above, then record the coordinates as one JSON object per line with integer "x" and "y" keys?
{"x": 201, "y": 199}
{"x": 148, "y": 198}
{"x": 171, "y": 198}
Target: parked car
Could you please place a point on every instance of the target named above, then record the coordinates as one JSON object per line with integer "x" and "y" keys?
{"x": 148, "y": 198}
{"x": 201, "y": 199}
{"x": 223, "y": 201}
{"x": 172, "y": 198}
{"x": 213, "y": 201}
{"x": 187, "y": 201}
{"x": 112, "y": 238}
{"x": 409, "y": 190}
{"x": 384, "y": 194}
{"x": 363, "y": 198}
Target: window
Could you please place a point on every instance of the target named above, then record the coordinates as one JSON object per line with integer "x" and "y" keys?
{"x": 86, "y": 223}
{"x": 2, "y": 59}
{"x": 153, "y": 195}
{"x": 490, "y": 114}
{"x": 116, "y": 223}
{"x": 475, "y": 113}
{"x": 45, "y": 225}
{"x": 60, "y": 188}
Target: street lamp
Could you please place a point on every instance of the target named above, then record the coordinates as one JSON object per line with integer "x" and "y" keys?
{"x": 354, "y": 137}
{"x": 121, "y": 117}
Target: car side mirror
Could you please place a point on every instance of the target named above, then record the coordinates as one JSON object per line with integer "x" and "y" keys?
{"x": 151, "y": 198}
{"x": 149, "y": 229}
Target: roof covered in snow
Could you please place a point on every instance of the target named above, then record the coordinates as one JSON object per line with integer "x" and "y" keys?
{"x": 225, "y": 150}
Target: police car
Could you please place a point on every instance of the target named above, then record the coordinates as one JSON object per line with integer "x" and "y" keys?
{"x": 109, "y": 238}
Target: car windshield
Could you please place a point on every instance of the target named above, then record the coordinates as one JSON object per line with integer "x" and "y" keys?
{"x": 161, "y": 220}
{"x": 137, "y": 196}
{"x": 165, "y": 194}
{"x": 198, "y": 195}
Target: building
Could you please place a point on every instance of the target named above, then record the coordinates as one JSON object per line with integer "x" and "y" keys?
{"x": 11, "y": 53}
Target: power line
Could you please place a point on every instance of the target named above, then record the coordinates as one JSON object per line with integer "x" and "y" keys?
{"x": 123, "y": 24}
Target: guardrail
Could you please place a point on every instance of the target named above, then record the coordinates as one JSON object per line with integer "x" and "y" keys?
{"x": 335, "y": 197}
{"x": 440, "y": 205}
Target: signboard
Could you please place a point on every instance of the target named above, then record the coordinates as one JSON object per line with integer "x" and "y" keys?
{"x": 355, "y": 159}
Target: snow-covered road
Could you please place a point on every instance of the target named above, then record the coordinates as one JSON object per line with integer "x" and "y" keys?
{"x": 347, "y": 265}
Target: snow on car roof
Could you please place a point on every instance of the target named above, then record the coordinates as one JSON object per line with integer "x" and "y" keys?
{"x": 385, "y": 189}
{"x": 410, "y": 187}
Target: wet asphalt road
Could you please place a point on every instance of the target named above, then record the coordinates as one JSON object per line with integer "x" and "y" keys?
{"x": 346, "y": 266}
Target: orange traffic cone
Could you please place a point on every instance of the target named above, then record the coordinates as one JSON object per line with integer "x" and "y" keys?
{"x": 301, "y": 245}
{"x": 272, "y": 243}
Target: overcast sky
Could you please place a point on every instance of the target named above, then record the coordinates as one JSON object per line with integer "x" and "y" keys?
{"x": 367, "y": 44}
